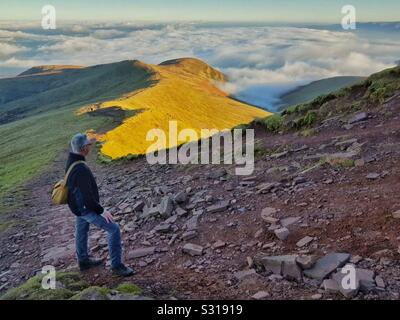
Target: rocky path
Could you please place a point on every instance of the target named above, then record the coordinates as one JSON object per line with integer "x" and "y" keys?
{"x": 312, "y": 205}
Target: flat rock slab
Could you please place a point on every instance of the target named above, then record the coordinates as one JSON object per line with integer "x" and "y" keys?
{"x": 245, "y": 273}
{"x": 289, "y": 221}
{"x": 260, "y": 295}
{"x": 193, "y": 249}
{"x": 362, "y": 116}
{"x": 396, "y": 214}
{"x": 222, "y": 206}
{"x": 283, "y": 265}
{"x": 141, "y": 252}
{"x": 282, "y": 233}
{"x": 326, "y": 265}
{"x": 304, "y": 241}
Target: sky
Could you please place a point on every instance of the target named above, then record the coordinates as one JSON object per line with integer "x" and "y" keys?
{"x": 309, "y": 11}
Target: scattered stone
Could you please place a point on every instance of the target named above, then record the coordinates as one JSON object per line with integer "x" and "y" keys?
{"x": 289, "y": 221}
{"x": 270, "y": 220}
{"x": 282, "y": 233}
{"x": 396, "y": 214}
{"x": 299, "y": 180}
{"x": 305, "y": 261}
{"x": 265, "y": 187}
{"x": 180, "y": 212}
{"x": 192, "y": 223}
{"x": 355, "y": 259}
{"x": 304, "y": 241}
{"x": 359, "y": 162}
{"x": 362, "y": 116}
{"x": 373, "y": 176}
{"x": 163, "y": 228}
{"x": 260, "y": 295}
{"x": 138, "y": 206}
{"x": 222, "y": 206}
{"x": 380, "y": 283}
{"x": 250, "y": 262}
{"x": 193, "y": 249}
{"x": 316, "y": 296}
{"x": 166, "y": 206}
{"x": 216, "y": 174}
{"x": 219, "y": 244}
{"x": 189, "y": 235}
{"x": 366, "y": 279}
{"x": 239, "y": 275}
{"x": 141, "y": 252}
{"x": 180, "y": 197}
{"x": 330, "y": 286}
{"x": 259, "y": 233}
{"x": 267, "y": 212}
{"x": 279, "y": 155}
{"x": 282, "y": 265}
{"x": 326, "y": 265}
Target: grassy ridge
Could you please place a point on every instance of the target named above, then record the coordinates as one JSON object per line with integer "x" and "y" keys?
{"x": 369, "y": 93}
{"x": 186, "y": 92}
{"x": 314, "y": 89}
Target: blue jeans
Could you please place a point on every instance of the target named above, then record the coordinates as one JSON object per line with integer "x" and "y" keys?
{"x": 81, "y": 237}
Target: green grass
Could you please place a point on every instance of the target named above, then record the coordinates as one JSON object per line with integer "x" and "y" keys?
{"x": 29, "y": 145}
{"x": 271, "y": 123}
{"x": 32, "y": 289}
{"x": 99, "y": 293}
{"x": 70, "y": 286}
{"x": 129, "y": 288}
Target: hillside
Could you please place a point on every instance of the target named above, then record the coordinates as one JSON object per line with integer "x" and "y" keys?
{"x": 185, "y": 92}
{"x": 314, "y": 89}
{"x": 322, "y": 196}
{"x": 43, "y": 107}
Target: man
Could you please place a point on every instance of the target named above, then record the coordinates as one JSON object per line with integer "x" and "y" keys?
{"x": 83, "y": 200}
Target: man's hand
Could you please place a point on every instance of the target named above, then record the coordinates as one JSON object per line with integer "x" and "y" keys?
{"x": 108, "y": 216}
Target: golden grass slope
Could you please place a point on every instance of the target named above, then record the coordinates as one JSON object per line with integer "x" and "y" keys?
{"x": 186, "y": 92}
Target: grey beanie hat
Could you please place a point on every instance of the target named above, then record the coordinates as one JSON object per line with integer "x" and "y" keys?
{"x": 78, "y": 141}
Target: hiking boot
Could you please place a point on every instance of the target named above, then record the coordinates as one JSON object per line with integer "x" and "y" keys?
{"x": 89, "y": 263}
{"x": 122, "y": 271}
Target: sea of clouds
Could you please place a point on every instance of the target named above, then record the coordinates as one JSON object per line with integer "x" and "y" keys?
{"x": 262, "y": 62}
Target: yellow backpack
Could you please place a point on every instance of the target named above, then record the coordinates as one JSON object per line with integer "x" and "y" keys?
{"x": 59, "y": 194}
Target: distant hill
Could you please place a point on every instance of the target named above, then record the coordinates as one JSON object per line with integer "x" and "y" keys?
{"x": 314, "y": 89}
{"x": 48, "y": 69}
{"x": 377, "y": 91}
{"x": 44, "y": 106}
{"x": 185, "y": 91}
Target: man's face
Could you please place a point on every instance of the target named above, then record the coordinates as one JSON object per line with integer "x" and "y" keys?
{"x": 86, "y": 149}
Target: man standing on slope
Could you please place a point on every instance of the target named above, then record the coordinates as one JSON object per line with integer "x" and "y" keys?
{"x": 83, "y": 200}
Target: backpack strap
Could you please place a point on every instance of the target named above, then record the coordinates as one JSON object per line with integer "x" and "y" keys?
{"x": 70, "y": 169}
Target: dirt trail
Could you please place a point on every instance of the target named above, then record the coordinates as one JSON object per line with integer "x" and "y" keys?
{"x": 343, "y": 209}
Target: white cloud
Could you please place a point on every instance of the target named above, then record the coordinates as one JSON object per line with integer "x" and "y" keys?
{"x": 8, "y": 50}
{"x": 250, "y": 56}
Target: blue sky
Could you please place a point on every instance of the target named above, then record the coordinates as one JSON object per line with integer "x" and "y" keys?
{"x": 315, "y": 11}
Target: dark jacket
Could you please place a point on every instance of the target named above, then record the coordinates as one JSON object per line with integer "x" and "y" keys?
{"x": 83, "y": 193}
